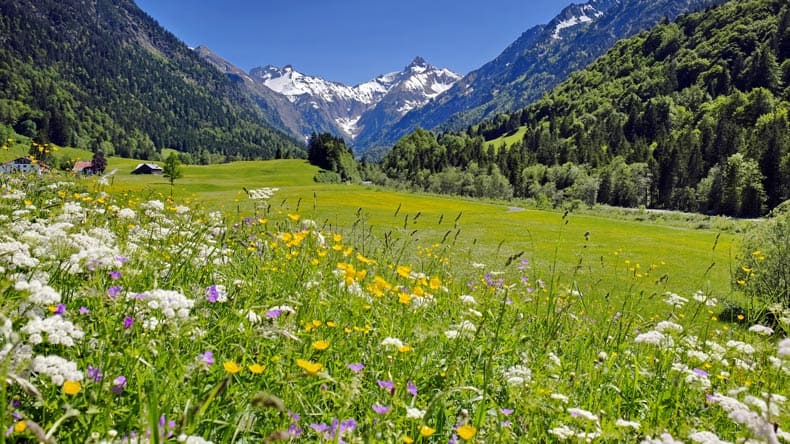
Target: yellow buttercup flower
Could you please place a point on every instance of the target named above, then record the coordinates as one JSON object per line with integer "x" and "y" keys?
{"x": 20, "y": 426}
{"x": 294, "y": 217}
{"x": 231, "y": 367}
{"x": 321, "y": 345}
{"x": 256, "y": 369}
{"x": 466, "y": 431}
{"x": 403, "y": 270}
{"x": 71, "y": 387}
{"x": 312, "y": 368}
{"x": 426, "y": 431}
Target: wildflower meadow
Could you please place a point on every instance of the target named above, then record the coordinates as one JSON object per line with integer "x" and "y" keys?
{"x": 130, "y": 319}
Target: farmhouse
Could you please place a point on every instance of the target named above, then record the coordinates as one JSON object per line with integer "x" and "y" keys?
{"x": 23, "y": 165}
{"x": 83, "y": 167}
{"x": 147, "y": 168}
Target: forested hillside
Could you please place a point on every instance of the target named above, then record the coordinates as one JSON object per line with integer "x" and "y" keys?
{"x": 104, "y": 74}
{"x": 691, "y": 115}
{"x": 537, "y": 61}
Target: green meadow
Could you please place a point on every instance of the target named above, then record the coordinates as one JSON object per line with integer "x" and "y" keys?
{"x": 607, "y": 250}
{"x": 350, "y": 313}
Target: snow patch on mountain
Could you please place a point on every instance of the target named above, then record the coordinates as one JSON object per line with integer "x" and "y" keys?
{"x": 569, "y": 23}
{"x": 348, "y": 124}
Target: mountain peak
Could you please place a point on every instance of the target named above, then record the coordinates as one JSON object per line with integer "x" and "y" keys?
{"x": 418, "y": 61}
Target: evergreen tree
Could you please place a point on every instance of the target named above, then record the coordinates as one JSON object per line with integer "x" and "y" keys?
{"x": 99, "y": 162}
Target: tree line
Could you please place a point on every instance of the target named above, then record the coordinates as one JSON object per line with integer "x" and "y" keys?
{"x": 690, "y": 115}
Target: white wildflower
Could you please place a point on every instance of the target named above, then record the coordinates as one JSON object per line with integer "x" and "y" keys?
{"x": 190, "y": 439}
{"x": 705, "y": 437}
{"x": 127, "y": 213}
{"x": 665, "y": 438}
{"x": 392, "y": 342}
{"x": 697, "y": 355}
{"x": 560, "y": 397}
{"x": 253, "y": 318}
{"x": 653, "y": 337}
{"x": 702, "y": 298}
{"x": 468, "y": 299}
{"x": 262, "y": 193}
{"x": 414, "y": 413}
{"x": 627, "y": 424}
{"x": 451, "y": 334}
{"x": 58, "y": 369}
{"x": 583, "y": 414}
{"x": 761, "y": 330}
{"x": 784, "y": 348}
{"x": 563, "y": 432}
{"x": 518, "y": 375}
{"x": 475, "y": 313}
{"x": 554, "y": 360}
{"x": 58, "y": 331}
{"x": 741, "y": 347}
{"x": 675, "y": 300}
{"x": 40, "y": 294}
{"x": 668, "y": 326}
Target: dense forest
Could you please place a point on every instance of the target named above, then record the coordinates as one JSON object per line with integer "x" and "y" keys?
{"x": 690, "y": 115}
{"x": 103, "y": 74}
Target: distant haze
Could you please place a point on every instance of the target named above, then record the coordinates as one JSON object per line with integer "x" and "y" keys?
{"x": 352, "y": 41}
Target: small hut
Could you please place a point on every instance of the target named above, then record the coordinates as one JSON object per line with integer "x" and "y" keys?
{"x": 148, "y": 168}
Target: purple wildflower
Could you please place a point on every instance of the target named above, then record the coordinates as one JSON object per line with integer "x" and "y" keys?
{"x": 114, "y": 291}
{"x": 84, "y": 310}
{"x": 701, "y": 372}
{"x": 118, "y": 385}
{"x": 207, "y": 358}
{"x": 380, "y": 409}
{"x": 60, "y": 309}
{"x": 115, "y": 274}
{"x": 411, "y": 388}
{"x": 94, "y": 373}
{"x": 356, "y": 368}
{"x": 274, "y": 313}
{"x": 320, "y": 428}
{"x": 294, "y": 431}
{"x": 128, "y": 322}
{"x": 506, "y": 412}
{"x": 212, "y": 294}
{"x": 387, "y": 385}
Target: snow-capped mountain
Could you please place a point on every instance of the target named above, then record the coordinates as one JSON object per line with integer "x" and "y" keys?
{"x": 353, "y": 109}
{"x": 538, "y": 60}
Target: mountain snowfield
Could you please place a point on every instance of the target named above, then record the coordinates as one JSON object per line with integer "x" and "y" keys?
{"x": 577, "y": 20}
{"x": 346, "y": 106}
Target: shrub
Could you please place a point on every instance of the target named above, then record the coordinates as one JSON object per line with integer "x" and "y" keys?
{"x": 324, "y": 176}
{"x": 765, "y": 259}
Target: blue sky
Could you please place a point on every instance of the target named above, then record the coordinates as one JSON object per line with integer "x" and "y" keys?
{"x": 352, "y": 41}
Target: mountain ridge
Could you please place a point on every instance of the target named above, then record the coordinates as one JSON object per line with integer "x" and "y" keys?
{"x": 539, "y": 59}
{"x": 318, "y": 105}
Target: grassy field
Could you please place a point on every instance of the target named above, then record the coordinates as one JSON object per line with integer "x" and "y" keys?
{"x": 508, "y": 139}
{"x": 682, "y": 258}
{"x": 607, "y": 251}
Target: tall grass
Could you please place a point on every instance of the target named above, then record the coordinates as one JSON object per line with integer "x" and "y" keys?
{"x": 129, "y": 319}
